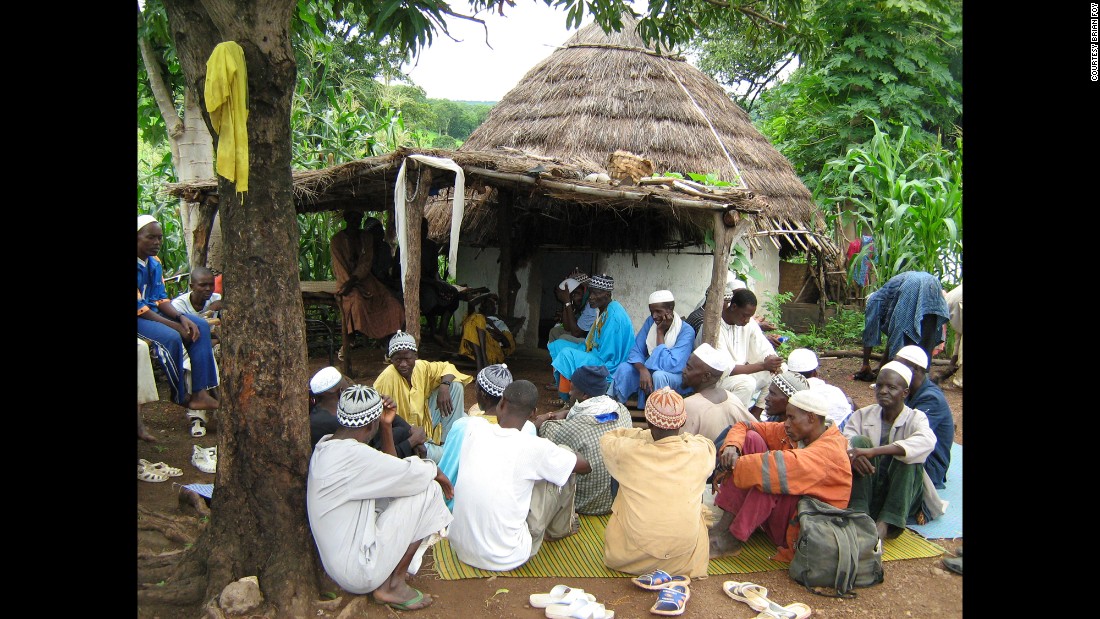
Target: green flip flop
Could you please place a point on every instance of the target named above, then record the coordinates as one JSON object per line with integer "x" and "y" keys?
{"x": 408, "y": 604}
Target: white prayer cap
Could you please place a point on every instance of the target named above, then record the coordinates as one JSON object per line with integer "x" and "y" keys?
{"x": 732, "y": 284}
{"x": 914, "y": 354}
{"x": 810, "y": 401}
{"x": 802, "y": 360}
{"x": 324, "y": 379}
{"x": 905, "y": 372}
{"x": 661, "y": 296}
{"x": 569, "y": 284}
{"x": 145, "y": 220}
{"x": 720, "y": 360}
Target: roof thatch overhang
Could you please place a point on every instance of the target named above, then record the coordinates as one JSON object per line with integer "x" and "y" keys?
{"x": 553, "y": 206}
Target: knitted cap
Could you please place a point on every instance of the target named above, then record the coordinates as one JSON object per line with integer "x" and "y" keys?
{"x": 810, "y": 401}
{"x": 401, "y": 341}
{"x": 591, "y": 379}
{"x": 915, "y": 354}
{"x": 790, "y": 382}
{"x": 601, "y": 282}
{"x": 802, "y": 360}
{"x": 324, "y": 379}
{"x": 358, "y": 406}
{"x": 494, "y": 378}
{"x": 905, "y": 372}
{"x": 664, "y": 409}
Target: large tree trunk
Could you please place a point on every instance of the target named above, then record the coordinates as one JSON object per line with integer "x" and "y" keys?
{"x": 258, "y": 524}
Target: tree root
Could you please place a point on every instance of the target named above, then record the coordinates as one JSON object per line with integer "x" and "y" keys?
{"x": 180, "y": 529}
{"x": 876, "y": 356}
{"x": 186, "y": 592}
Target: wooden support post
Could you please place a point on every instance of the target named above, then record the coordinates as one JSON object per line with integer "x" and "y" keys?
{"x": 414, "y": 212}
{"x": 724, "y": 238}
{"x": 504, "y": 235}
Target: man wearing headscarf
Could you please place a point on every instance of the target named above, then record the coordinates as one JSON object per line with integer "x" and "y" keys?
{"x": 772, "y": 465}
{"x": 366, "y": 305}
{"x": 661, "y": 349}
{"x": 908, "y": 309}
{"x": 711, "y": 409}
{"x": 372, "y": 514}
{"x": 658, "y": 516}
{"x": 607, "y": 344}
{"x": 182, "y": 341}
{"x": 325, "y": 388}
{"x": 593, "y": 414}
{"x": 429, "y": 394}
{"x": 889, "y": 443}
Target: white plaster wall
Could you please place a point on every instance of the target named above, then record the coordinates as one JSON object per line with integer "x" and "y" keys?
{"x": 686, "y": 274}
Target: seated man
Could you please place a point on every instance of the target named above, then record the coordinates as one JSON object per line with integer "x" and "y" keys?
{"x": 607, "y": 344}
{"x": 592, "y": 415}
{"x": 366, "y": 305}
{"x": 909, "y": 309}
{"x": 429, "y": 394}
{"x": 372, "y": 514}
{"x": 661, "y": 349}
{"x": 889, "y": 443}
{"x": 489, "y": 386}
{"x": 201, "y": 298}
{"x": 657, "y": 520}
{"x": 784, "y": 385}
{"x": 804, "y": 361}
{"x": 754, "y": 358}
{"x": 577, "y": 316}
{"x": 486, "y": 339}
{"x": 325, "y": 388}
{"x": 182, "y": 341}
{"x": 711, "y": 409}
{"x": 516, "y": 489}
{"x": 438, "y": 298}
{"x": 927, "y": 397}
{"x": 772, "y": 465}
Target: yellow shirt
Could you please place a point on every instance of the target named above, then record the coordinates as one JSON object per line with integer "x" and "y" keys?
{"x": 412, "y": 397}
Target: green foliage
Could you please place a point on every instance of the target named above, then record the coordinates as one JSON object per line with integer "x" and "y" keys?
{"x": 844, "y": 330}
{"x": 909, "y": 201}
{"x": 741, "y": 263}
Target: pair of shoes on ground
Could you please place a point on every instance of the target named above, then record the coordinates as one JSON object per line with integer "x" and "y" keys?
{"x": 756, "y": 596}
{"x": 156, "y": 472}
{"x": 564, "y": 602}
{"x": 675, "y": 591}
{"x": 205, "y": 459}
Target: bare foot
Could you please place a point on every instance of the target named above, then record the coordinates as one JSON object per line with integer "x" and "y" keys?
{"x": 190, "y": 500}
{"x": 144, "y": 435}
{"x": 202, "y": 401}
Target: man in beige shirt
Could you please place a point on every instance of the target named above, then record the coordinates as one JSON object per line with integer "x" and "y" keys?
{"x": 657, "y": 519}
{"x": 711, "y": 409}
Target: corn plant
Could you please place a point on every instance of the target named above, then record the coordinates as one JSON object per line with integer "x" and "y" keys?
{"x": 910, "y": 201}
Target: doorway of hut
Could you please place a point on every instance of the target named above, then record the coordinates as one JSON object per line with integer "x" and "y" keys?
{"x": 555, "y": 266}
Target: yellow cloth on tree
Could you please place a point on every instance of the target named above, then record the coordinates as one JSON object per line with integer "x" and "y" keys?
{"x": 227, "y": 102}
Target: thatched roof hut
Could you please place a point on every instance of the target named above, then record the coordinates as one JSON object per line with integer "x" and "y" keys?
{"x": 601, "y": 93}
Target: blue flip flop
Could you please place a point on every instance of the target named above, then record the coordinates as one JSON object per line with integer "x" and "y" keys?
{"x": 659, "y": 579}
{"x": 672, "y": 601}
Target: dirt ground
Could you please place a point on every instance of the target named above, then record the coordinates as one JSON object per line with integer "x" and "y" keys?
{"x": 916, "y": 588}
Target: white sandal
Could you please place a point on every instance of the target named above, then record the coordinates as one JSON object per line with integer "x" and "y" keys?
{"x": 198, "y": 427}
{"x": 161, "y": 467}
{"x": 146, "y": 474}
{"x": 579, "y": 609}
{"x": 560, "y": 594}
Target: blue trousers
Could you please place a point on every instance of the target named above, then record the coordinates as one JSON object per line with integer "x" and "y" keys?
{"x": 626, "y": 379}
{"x": 170, "y": 347}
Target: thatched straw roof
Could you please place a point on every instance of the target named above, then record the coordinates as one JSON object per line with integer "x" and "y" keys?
{"x": 600, "y": 93}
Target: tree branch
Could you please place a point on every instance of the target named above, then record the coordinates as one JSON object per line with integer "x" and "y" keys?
{"x": 467, "y": 18}
{"x": 749, "y": 12}
{"x": 160, "y": 90}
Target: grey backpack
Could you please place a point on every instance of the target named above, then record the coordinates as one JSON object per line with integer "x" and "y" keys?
{"x": 837, "y": 549}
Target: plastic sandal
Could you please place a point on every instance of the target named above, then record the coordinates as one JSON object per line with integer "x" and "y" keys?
{"x": 756, "y": 596}
{"x": 797, "y": 610}
{"x": 672, "y": 601}
{"x": 659, "y": 579}
{"x": 146, "y": 474}
{"x": 198, "y": 428}
{"x": 162, "y": 468}
{"x": 205, "y": 459}
{"x": 560, "y": 594}
{"x": 579, "y": 609}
